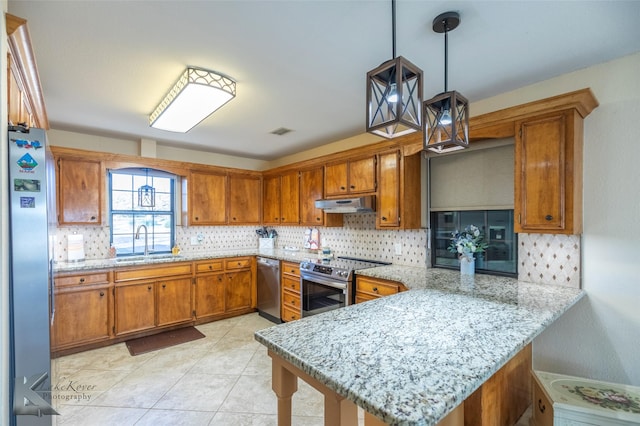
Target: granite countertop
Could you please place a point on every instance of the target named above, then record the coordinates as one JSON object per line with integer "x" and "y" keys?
{"x": 413, "y": 357}
{"x": 96, "y": 264}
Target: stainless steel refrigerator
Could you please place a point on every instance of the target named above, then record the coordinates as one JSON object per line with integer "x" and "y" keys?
{"x": 31, "y": 298}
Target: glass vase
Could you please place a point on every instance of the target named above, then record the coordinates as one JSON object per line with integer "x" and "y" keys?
{"x": 467, "y": 265}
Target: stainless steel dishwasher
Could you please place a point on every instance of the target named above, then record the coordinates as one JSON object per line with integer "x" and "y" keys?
{"x": 269, "y": 289}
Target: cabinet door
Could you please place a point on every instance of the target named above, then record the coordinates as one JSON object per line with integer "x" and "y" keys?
{"x": 238, "y": 291}
{"x": 135, "y": 308}
{"x": 82, "y": 316}
{"x": 335, "y": 179}
{"x": 547, "y": 174}
{"x": 244, "y": 199}
{"x": 209, "y": 295}
{"x": 362, "y": 175}
{"x": 311, "y": 183}
{"x": 388, "y": 214}
{"x": 271, "y": 200}
{"x": 174, "y": 301}
{"x": 207, "y": 198}
{"x": 80, "y": 191}
{"x": 290, "y": 198}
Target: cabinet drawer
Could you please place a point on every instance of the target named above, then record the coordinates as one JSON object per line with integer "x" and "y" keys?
{"x": 541, "y": 409}
{"x": 291, "y": 300}
{"x": 289, "y": 314}
{"x": 171, "y": 269}
{"x": 291, "y": 268}
{"x": 363, "y": 297}
{"x": 209, "y": 266}
{"x": 82, "y": 279}
{"x": 291, "y": 284}
{"x": 376, "y": 287}
{"x": 237, "y": 263}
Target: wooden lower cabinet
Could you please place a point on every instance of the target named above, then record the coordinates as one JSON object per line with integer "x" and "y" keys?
{"x": 290, "y": 301}
{"x": 209, "y": 295}
{"x": 83, "y": 315}
{"x": 135, "y": 308}
{"x": 368, "y": 288}
{"x": 237, "y": 292}
{"x": 174, "y": 301}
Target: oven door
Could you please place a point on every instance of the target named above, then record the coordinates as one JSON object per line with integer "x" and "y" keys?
{"x": 321, "y": 295}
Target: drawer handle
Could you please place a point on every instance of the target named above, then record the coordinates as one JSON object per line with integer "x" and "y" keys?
{"x": 375, "y": 289}
{"x": 101, "y": 293}
{"x": 81, "y": 280}
{"x": 541, "y": 406}
{"x": 548, "y": 217}
{"x": 210, "y": 267}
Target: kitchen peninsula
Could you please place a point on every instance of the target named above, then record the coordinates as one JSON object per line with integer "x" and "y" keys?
{"x": 415, "y": 357}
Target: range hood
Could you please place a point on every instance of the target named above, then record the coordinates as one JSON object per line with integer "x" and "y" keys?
{"x": 347, "y": 205}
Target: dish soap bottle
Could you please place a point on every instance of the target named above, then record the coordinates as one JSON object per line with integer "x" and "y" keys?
{"x": 175, "y": 250}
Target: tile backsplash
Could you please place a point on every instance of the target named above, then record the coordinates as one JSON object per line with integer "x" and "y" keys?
{"x": 542, "y": 258}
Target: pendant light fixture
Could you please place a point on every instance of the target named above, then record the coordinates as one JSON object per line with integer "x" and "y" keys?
{"x": 394, "y": 94}
{"x": 446, "y": 115}
{"x": 146, "y": 193}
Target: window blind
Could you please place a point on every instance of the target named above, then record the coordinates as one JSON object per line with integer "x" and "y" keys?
{"x": 474, "y": 179}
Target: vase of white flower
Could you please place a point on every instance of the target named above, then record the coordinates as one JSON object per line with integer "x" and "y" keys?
{"x": 466, "y": 244}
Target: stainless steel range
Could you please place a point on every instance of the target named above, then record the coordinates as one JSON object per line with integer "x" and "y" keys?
{"x": 330, "y": 285}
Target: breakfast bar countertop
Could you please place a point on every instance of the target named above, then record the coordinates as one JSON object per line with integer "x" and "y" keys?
{"x": 411, "y": 358}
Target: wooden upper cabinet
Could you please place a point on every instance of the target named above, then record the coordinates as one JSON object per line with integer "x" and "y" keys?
{"x": 290, "y": 198}
{"x": 311, "y": 186}
{"x": 207, "y": 198}
{"x": 244, "y": 199}
{"x": 280, "y": 194}
{"x": 548, "y": 174}
{"x": 357, "y": 176}
{"x": 399, "y": 202}
{"x": 25, "y": 100}
{"x": 271, "y": 200}
{"x": 80, "y": 191}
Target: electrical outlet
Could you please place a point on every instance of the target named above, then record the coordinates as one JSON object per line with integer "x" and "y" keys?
{"x": 195, "y": 241}
{"x": 398, "y": 249}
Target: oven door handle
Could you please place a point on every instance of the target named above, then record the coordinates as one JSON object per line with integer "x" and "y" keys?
{"x": 323, "y": 281}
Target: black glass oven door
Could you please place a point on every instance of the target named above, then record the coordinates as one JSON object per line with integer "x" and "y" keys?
{"x": 321, "y": 296}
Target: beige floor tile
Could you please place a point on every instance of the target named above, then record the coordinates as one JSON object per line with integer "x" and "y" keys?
{"x": 140, "y": 389}
{"x": 201, "y": 392}
{"x": 223, "y": 361}
{"x": 251, "y": 394}
{"x": 241, "y": 419}
{"x": 103, "y": 416}
{"x": 84, "y": 386}
{"x": 260, "y": 363}
{"x": 156, "y": 417}
{"x": 177, "y": 359}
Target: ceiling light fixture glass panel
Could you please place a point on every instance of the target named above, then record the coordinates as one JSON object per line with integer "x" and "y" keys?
{"x": 195, "y": 96}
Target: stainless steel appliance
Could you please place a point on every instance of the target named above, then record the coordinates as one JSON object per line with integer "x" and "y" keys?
{"x": 330, "y": 285}
{"x": 31, "y": 295}
{"x": 269, "y": 289}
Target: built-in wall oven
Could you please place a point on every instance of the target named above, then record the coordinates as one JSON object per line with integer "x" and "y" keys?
{"x": 328, "y": 285}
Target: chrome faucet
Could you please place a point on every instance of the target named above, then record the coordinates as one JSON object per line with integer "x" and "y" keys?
{"x": 146, "y": 238}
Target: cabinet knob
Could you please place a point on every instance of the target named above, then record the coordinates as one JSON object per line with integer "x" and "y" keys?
{"x": 352, "y": 187}
{"x": 149, "y": 288}
{"x": 375, "y": 289}
{"x": 81, "y": 280}
{"x": 342, "y": 188}
{"x": 220, "y": 278}
{"x": 196, "y": 218}
{"x": 164, "y": 286}
{"x": 101, "y": 293}
{"x": 210, "y": 267}
{"x": 234, "y": 218}
{"x": 282, "y": 219}
{"x": 317, "y": 219}
{"x": 548, "y": 217}
{"x": 383, "y": 218}
{"x": 541, "y": 406}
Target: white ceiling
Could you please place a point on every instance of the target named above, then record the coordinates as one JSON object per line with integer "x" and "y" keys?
{"x": 105, "y": 65}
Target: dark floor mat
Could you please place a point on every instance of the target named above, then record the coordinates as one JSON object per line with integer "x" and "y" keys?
{"x": 163, "y": 340}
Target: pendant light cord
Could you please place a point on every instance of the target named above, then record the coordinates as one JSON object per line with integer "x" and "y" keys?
{"x": 393, "y": 27}
{"x": 446, "y": 56}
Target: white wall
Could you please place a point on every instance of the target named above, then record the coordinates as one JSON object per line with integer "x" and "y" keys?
{"x": 600, "y": 337}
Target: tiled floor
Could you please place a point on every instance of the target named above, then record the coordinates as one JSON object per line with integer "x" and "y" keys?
{"x": 222, "y": 380}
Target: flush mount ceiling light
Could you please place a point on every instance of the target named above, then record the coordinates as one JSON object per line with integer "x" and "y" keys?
{"x": 394, "y": 94}
{"x": 446, "y": 115}
{"x": 196, "y": 95}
